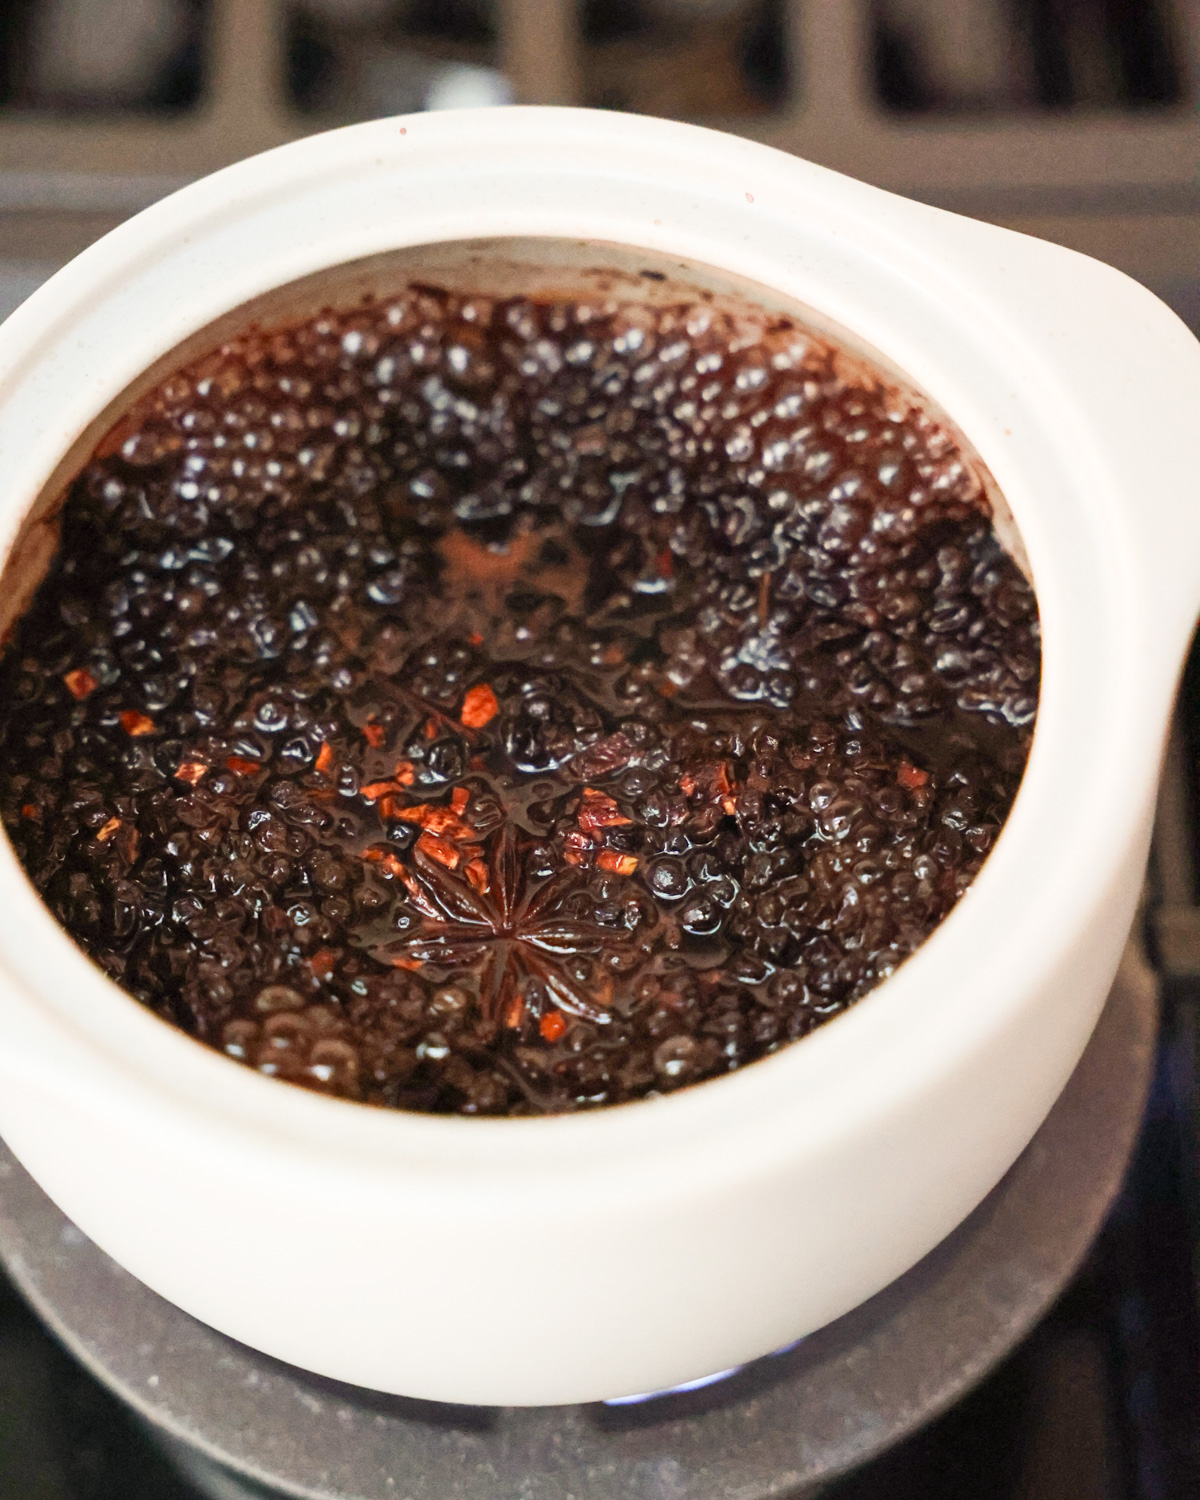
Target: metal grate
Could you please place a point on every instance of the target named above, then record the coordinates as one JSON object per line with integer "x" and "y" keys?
{"x": 1078, "y": 120}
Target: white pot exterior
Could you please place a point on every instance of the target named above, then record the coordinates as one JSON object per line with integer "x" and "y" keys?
{"x": 569, "y": 1259}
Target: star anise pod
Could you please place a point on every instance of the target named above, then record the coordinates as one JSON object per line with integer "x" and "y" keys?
{"x": 509, "y": 928}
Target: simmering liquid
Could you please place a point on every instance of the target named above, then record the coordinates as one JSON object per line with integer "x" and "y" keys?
{"x": 500, "y": 707}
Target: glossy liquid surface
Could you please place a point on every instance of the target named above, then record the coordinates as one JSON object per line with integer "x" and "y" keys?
{"x": 505, "y": 707}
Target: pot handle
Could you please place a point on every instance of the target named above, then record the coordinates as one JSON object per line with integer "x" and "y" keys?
{"x": 1130, "y": 369}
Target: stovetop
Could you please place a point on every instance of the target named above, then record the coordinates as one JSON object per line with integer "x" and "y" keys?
{"x": 1099, "y": 1403}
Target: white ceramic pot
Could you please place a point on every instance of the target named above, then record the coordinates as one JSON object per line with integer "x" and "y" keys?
{"x": 565, "y": 1259}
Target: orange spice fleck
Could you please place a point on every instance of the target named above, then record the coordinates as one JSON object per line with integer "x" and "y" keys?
{"x": 321, "y": 963}
{"x": 477, "y": 876}
{"x": 552, "y": 1026}
{"x": 325, "y": 759}
{"x": 442, "y": 820}
{"x": 514, "y": 1012}
{"x": 431, "y": 729}
{"x": 80, "y": 683}
{"x": 459, "y": 798}
{"x": 404, "y": 773}
{"x": 374, "y": 734}
{"x": 374, "y": 790}
{"x": 135, "y": 724}
{"x": 32, "y": 811}
{"x": 729, "y": 805}
{"x": 618, "y": 864}
{"x": 440, "y": 849}
{"x": 387, "y": 861}
{"x": 437, "y": 820}
{"x": 475, "y": 639}
{"x": 191, "y": 771}
{"x": 412, "y": 964}
{"x": 598, "y": 810}
{"x": 911, "y": 776}
{"x": 241, "y": 766}
{"x": 479, "y": 706}
{"x": 106, "y": 832}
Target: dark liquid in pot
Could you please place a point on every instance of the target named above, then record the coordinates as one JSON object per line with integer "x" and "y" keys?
{"x": 504, "y": 707}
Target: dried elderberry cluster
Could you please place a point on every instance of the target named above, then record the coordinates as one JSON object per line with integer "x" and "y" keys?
{"x": 501, "y": 707}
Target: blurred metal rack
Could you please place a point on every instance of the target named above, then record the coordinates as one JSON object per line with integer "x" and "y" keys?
{"x": 1119, "y": 183}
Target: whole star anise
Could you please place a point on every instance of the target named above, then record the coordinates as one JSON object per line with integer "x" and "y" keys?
{"x": 519, "y": 927}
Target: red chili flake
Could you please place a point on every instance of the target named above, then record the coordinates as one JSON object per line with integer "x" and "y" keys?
{"x": 479, "y": 706}
{"x": 412, "y": 964}
{"x": 552, "y": 1026}
{"x": 325, "y": 759}
{"x": 687, "y": 784}
{"x": 32, "y": 811}
{"x": 475, "y": 639}
{"x": 321, "y": 963}
{"x": 610, "y": 754}
{"x": 191, "y": 771}
{"x": 80, "y": 683}
{"x": 477, "y": 876}
{"x": 104, "y": 834}
{"x": 459, "y": 798}
{"x": 431, "y": 729}
{"x": 665, "y": 563}
{"x": 443, "y": 820}
{"x": 135, "y": 724}
{"x": 376, "y": 789}
{"x": 514, "y": 1012}
{"x": 404, "y": 773}
{"x": 598, "y": 810}
{"x": 240, "y": 766}
{"x": 911, "y": 776}
{"x": 619, "y": 864}
{"x": 388, "y": 862}
{"x": 437, "y": 820}
{"x": 375, "y": 734}
{"x": 440, "y": 849}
